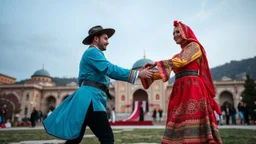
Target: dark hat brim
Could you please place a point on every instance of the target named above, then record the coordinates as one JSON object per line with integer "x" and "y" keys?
{"x": 109, "y": 31}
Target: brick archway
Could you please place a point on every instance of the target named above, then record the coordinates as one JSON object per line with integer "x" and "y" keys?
{"x": 141, "y": 95}
{"x": 50, "y": 102}
{"x": 226, "y": 96}
{"x": 12, "y": 103}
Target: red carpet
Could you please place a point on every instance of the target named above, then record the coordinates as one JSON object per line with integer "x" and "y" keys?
{"x": 136, "y": 112}
{"x": 133, "y": 119}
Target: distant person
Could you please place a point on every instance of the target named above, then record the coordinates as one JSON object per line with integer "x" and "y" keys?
{"x": 3, "y": 113}
{"x": 227, "y": 113}
{"x": 141, "y": 113}
{"x": 246, "y": 114}
{"x": 40, "y": 116}
{"x": 233, "y": 114}
{"x": 50, "y": 111}
{"x": 113, "y": 115}
{"x": 33, "y": 117}
{"x": 154, "y": 115}
{"x": 221, "y": 117}
{"x": 8, "y": 124}
{"x": 217, "y": 117}
{"x": 160, "y": 112}
{"x": 240, "y": 108}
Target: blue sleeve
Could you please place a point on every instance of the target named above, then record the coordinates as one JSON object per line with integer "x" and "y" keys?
{"x": 97, "y": 60}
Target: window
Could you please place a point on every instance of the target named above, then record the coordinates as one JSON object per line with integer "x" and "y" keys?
{"x": 123, "y": 98}
{"x": 157, "y": 97}
{"x": 122, "y": 88}
{"x": 27, "y": 97}
{"x": 25, "y": 111}
{"x": 37, "y": 98}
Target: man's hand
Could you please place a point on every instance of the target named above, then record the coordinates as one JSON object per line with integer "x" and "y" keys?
{"x": 149, "y": 65}
{"x": 146, "y": 73}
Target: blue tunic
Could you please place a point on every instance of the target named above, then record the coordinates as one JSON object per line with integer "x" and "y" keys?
{"x": 67, "y": 119}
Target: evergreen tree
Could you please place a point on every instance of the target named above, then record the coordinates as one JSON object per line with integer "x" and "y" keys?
{"x": 249, "y": 94}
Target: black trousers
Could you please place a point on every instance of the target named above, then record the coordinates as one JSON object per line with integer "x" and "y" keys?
{"x": 33, "y": 123}
{"x": 227, "y": 119}
{"x": 98, "y": 123}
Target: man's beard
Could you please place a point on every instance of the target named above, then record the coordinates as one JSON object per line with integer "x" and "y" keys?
{"x": 101, "y": 46}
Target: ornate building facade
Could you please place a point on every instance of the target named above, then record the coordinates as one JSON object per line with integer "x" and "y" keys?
{"x": 40, "y": 92}
{"x": 4, "y": 79}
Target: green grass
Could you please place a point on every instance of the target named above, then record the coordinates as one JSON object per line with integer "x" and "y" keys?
{"x": 238, "y": 136}
{"x": 229, "y": 136}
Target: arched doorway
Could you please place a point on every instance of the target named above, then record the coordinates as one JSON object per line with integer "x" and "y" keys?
{"x": 10, "y": 108}
{"x": 12, "y": 104}
{"x": 226, "y": 97}
{"x": 140, "y": 95}
{"x": 50, "y": 103}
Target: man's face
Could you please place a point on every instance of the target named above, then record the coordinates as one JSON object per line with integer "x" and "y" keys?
{"x": 102, "y": 42}
{"x": 177, "y": 36}
{"x": 4, "y": 106}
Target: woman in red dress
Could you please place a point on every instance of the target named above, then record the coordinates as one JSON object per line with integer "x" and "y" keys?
{"x": 190, "y": 116}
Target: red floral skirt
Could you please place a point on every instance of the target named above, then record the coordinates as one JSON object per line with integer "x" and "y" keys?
{"x": 190, "y": 117}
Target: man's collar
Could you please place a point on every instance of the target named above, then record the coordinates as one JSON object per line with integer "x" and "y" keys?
{"x": 92, "y": 45}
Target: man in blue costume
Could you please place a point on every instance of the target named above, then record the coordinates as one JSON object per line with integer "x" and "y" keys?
{"x": 87, "y": 105}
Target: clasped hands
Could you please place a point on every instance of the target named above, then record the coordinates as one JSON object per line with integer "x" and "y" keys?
{"x": 147, "y": 70}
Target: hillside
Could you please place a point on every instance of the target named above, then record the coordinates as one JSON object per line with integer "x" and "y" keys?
{"x": 235, "y": 69}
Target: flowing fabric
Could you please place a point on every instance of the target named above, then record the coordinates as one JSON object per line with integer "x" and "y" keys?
{"x": 190, "y": 115}
{"x": 204, "y": 71}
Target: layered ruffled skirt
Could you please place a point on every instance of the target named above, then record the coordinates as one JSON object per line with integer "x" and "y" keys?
{"x": 190, "y": 117}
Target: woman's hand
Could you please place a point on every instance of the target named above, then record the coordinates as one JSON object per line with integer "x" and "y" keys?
{"x": 149, "y": 65}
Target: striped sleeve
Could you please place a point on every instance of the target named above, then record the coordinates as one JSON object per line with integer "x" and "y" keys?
{"x": 133, "y": 76}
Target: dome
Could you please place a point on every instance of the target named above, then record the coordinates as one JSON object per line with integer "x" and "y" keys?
{"x": 140, "y": 63}
{"x": 225, "y": 78}
{"x": 72, "y": 84}
{"x": 42, "y": 72}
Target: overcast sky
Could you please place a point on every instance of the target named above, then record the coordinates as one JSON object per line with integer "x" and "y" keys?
{"x": 50, "y": 32}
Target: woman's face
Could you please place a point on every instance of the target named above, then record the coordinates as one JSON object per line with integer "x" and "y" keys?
{"x": 177, "y": 36}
